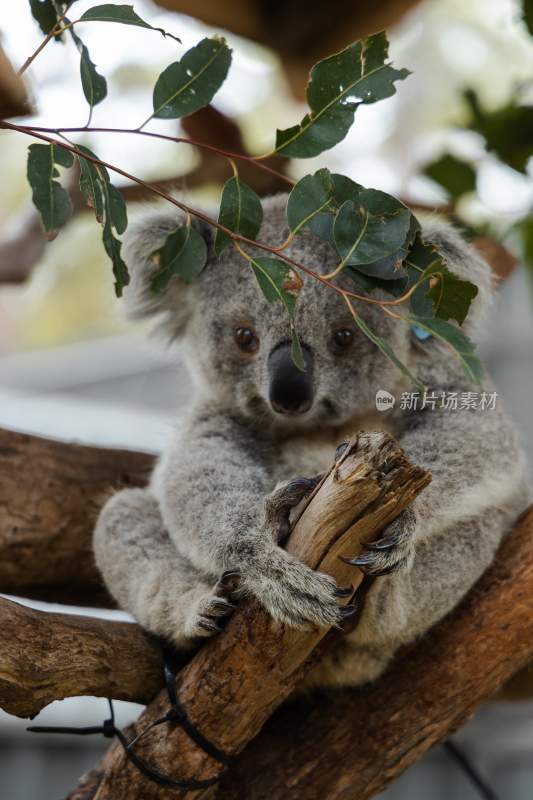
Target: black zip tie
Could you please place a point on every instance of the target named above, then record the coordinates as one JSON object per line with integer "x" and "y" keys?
{"x": 176, "y": 713}
{"x": 470, "y": 770}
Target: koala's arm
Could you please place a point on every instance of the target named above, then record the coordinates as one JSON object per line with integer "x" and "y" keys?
{"x": 475, "y": 461}
{"x": 211, "y": 486}
{"x": 437, "y": 549}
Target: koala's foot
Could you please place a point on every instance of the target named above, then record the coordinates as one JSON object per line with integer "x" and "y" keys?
{"x": 210, "y": 611}
{"x": 279, "y": 504}
{"x": 392, "y": 551}
{"x": 294, "y": 594}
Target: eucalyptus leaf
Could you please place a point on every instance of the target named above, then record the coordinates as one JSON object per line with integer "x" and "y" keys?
{"x": 113, "y": 248}
{"x": 191, "y": 83}
{"x": 44, "y": 12}
{"x": 183, "y": 255}
{"x": 344, "y": 189}
{"x": 110, "y": 211}
{"x": 455, "y": 338}
{"x": 50, "y": 198}
{"x": 240, "y": 211}
{"x": 362, "y": 237}
{"x": 94, "y": 85}
{"x": 456, "y": 176}
{"x": 277, "y": 281}
{"x": 112, "y": 12}
{"x": 391, "y": 269}
{"x": 296, "y": 350}
{"x": 338, "y": 85}
{"x": 308, "y": 198}
{"x": 386, "y": 349}
{"x": 508, "y": 130}
{"x": 441, "y": 292}
{"x": 451, "y": 295}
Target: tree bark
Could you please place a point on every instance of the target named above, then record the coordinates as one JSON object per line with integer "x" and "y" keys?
{"x": 50, "y": 494}
{"x": 353, "y": 743}
{"x": 46, "y": 657}
{"x": 236, "y": 681}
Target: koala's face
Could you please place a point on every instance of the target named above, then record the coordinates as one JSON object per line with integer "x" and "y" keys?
{"x": 238, "y": 345}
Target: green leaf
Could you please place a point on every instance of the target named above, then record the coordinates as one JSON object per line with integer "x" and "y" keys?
{"x": 44, "y": 13}
{"x": 508, "y": 131}
{"x": 441, "y": 293}
{"x": 527, "y": 14}
{"x": 451, "y": 296}
{"x": 296, "y": 350}
{"x": 308, "y": 198}
{"x": 240, "y": 211}
{"x": 363, "y": 237}
{"x": 457, "y": 177}
{"x": 391, "y": 269}
{"x": 113, "y": 247}
{"x": 386, "y": 349}
{"x": 183, "y": 255}
{"x": 338, "y": 85}
{"x": 51, "y": 200}
{"x": 343, "y": 189}
{"x": 110, "y": 211}
{"x": 94, "y": 85}
{"x": 456, "y": 339}
{"x": 191, "y": 83}
{"x": 277, "y": 281}
{"x": 111, "y": 12}
{"x": 90, "y": 183}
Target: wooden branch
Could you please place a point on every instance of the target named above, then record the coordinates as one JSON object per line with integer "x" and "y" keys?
{"x": 46, "y": 657}
{"x": 237, "y": 680}
{"x": 354, "y": 743}
{"x": 456, "y": 666}
{"x": 50, "y": 494}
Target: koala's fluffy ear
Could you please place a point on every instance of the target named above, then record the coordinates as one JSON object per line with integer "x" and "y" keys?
{"x": 171, "y": 308}
{"x": 464, "y": 260}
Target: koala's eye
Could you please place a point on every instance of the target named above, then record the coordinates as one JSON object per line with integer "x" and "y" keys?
{"x": 246, "y": 340}
{"x": 343, "y": 338}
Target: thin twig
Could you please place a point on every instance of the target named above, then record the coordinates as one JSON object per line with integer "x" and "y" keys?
{"x": 177, "y": 139}
{"x": 50, "y": 35}
{"x": 205, "y": 217}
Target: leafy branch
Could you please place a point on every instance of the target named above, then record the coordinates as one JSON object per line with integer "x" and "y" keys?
{"x": 376, "y": 237}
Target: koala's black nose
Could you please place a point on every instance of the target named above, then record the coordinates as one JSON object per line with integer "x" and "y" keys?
{"x": 291, "y": 390}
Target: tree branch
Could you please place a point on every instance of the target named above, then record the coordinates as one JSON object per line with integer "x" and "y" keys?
{"x": 237, "y": 680}
{"x": 354, "y": 743}
{"x": 46, "y": 657}
{"x": 50, "y": 494}
{"x": 369, "y": 735}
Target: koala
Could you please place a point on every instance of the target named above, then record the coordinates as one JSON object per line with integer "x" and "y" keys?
{"x": 259, "y": 431}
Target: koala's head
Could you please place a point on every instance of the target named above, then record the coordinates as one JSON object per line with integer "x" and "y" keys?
{"x": 238, "y": 346}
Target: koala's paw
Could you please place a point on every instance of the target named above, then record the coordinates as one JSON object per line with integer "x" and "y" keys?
{"x": 211, "y": 611}
{"x": 279, "y": 504}
{"x": 294, "y": 594}
{"x": 392, "y": 551}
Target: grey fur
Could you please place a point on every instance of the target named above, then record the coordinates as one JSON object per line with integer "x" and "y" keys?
{"x": 161, "y": 550}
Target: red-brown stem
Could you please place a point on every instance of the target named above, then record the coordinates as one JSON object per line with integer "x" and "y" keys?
{"x": 176, "y": 139}
{"x": 195, "y": 212}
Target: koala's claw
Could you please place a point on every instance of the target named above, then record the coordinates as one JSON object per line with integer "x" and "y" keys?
{"x": 340, "y": 592}
{"x": 348, "y": 611}
{"x": 228, "y": 582}
{"x": 340, "y": 450}
{"x": 212, "y": 611}
{"x": 279, "y": 504}
{"x": 392, "y": 551}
